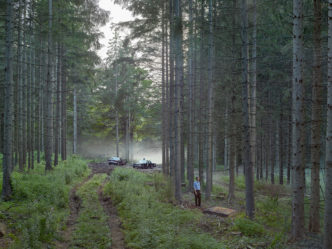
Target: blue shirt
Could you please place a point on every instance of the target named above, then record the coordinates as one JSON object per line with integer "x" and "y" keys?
{"x": 197, "y": 185}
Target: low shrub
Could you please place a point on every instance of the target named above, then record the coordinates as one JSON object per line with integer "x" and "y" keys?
{"x": 248, "y": 227}
{"x": 39, "y": 204}
{"x": 149, "y": 219}
{"x": 240, "y": 182}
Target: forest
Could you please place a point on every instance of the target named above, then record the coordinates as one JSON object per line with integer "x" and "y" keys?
{"x": 232, "y": 99}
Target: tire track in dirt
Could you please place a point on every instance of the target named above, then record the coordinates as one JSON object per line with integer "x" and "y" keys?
{"x": 114, "y": 222}
{"x": 74, "y": 206}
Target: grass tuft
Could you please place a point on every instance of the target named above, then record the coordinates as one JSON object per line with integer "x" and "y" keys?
{"x": 39, "y": 205}
{"x": 92, "y": 230}
{"x": 149, "y": 219}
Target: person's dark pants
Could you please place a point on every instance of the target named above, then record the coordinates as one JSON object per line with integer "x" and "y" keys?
{"x": 198, "y": 198}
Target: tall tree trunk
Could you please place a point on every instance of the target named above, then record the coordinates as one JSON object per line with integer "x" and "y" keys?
{"x": 75, "y": 121}
{"x": 39, "y": 102}
{"x": 64, "y": 108}
{"x": 281, "y": 148}
{"x": 289, "y": 149}
{"x": 232, "y": 145}
{"x": 276, "y": 161}
{"x": 167, "y": 89}
{"x": 247, "y": 161}
{"x": 57, "y": 111}
{"x": 117, "y": 113}
{"x": 163, "y": 89}
{"x": 231, "y": 186}
{"x": 171, "y": 94}
{"x": 181, "y": 108}
{"x": 262, "y": 152}
{"x": 298, "y": 122}
{"x": 201, "y": 99}
{"x": 328, "y": 158}
{"x": 210, "y": 108}
{"x": 272, "y": 149}
{"x": 8, "y": 110}
{"x": 253, "y": 100}
{"x": 226, "y": 137}
{"x": 128, "y": 135}
{"x": 33, "y": 104}
{"x": 268, "y": 151}
{"x": 48, "y": 110}
{"x": 24, "y": 89}
{"x": 29, "y": 89}
{"x": 191, "y": 103}
{"x": 316, "y": 123}
{"x": 178, "y": 86}
{"x": 20, "y": 87}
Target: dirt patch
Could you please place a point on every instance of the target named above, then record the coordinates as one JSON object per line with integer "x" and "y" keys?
{"x": 100, "y": 168}
{"x": 74, "y": 206}
{"x": 114, "y": 222}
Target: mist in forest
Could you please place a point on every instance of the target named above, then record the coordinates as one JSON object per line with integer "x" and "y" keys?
{"x": 149, "y": 151}
{"x": 105, "y": 149}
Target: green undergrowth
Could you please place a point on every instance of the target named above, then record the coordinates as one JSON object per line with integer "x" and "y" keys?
{"x": 92, "y": 229}
{"x": 39, "y": 205}
{"x": 149, "y": 220}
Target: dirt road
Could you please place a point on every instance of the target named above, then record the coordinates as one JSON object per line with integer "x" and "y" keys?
{"x": 114, "y": 222}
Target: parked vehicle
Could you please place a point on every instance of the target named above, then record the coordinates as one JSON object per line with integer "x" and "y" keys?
{"x": 117, "y": 161}
{"x": 144, "y": 164}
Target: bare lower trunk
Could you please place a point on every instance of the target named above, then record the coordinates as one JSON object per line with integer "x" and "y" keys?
{"x": 328, "y": 159}
{"x": 178, "y": 87}
{"x": 314, "y": 218}
{"x": 39, "y": 103}
{"x": 48, "y": 110}
{"x": 190, "y": 148}
{"x": 128, "y": 135}
{"x": 163, "y": 87}
{"x": 247, "y": 161}
{"x": 210, "y": 108}
{"x": 8, "y": 110}
{"x": 24, "y": 90}
{"x": 20, "y": 89}
{"x": 33, "y": 105}
{"x": 167, "y": 111}
{"x": 64, "y": 109}
{"x": 281, "y": 148}
{"x": 298, "y": 134}
{"x": 201, "y": 99}
{"x": 57, "y": 110}
{"x": 289, "y": 149}
{"x": 75, "y": 122}
{"x": 232, "y": 149}
{"x": 252, "y": 107}
{"x": 116, "y": 113}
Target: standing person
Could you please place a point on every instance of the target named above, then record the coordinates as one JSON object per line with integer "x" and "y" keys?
{"x": 197, "y": 192}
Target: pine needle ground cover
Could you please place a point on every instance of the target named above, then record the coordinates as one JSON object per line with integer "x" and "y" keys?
{"x": 39, "y": 207}
{"x": 149, "y": 221}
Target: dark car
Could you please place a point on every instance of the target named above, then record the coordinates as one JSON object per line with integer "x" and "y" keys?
{"x": 144, "y": 164}
{"x": 117, "y": 161}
